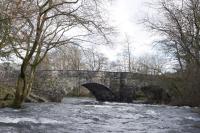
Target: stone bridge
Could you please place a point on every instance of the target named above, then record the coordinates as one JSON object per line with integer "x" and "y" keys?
{"x": 119, "y": 85}
{"x": 105, "y": 86}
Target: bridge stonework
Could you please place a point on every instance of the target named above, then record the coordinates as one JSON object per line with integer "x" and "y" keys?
{"x": 118, "y": 82}
{"x": 122, "y": 84}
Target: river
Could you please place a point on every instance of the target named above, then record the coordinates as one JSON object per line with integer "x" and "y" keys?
{"x": 84, "y": 115}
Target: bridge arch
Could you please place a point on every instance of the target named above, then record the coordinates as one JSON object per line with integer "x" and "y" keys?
{"x": 101, "y": 92}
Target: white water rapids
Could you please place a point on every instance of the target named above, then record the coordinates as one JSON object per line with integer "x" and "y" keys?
{"x": 88, "y": 116}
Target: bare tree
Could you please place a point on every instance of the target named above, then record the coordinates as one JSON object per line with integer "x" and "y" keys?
{"x": 179, "y": 24}
{"x": 73, "y": 57}
{"x": 5, "y": 29}
{"x": 125, "y": 58}
{"x": 39, "y": 26}
{"x": 94, "y": 60}
{"x": 129, "y": 54}
{"x": 66, "y": 58}
{"x": 151, "y": 64}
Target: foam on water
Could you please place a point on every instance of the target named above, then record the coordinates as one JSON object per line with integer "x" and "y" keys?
{"x": 99, "y": 106}
{"x": 16, "y": 120}
{"x": 151, "y": 112}
{"x": 31, "y": 120}
{"x": 115, "y": 103}
{"x": 192, "y": 118}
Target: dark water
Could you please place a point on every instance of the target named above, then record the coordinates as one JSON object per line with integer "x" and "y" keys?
{"x": 88, "y": 116}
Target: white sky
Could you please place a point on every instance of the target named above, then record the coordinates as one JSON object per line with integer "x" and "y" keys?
{"x": 126, "y": 15}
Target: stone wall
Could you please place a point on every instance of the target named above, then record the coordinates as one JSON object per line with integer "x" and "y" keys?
{"x": 72, "y": 81}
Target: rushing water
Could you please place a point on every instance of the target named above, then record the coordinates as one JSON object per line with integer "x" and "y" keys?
{"x": 88, "y": 116}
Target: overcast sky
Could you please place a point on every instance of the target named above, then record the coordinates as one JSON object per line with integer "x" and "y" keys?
{"x": 126, "y": 15}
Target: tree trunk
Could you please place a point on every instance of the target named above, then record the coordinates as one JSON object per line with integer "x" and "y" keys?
{"x": 20, "y": 87}
{"x": 23, "y": 87}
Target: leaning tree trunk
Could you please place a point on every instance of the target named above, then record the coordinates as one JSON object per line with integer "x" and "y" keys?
{"x": 23, "y": 87}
